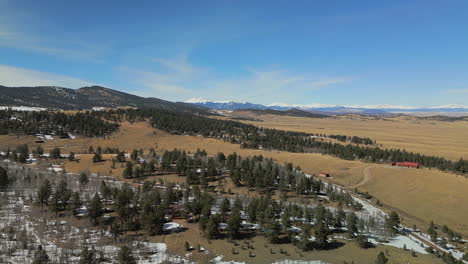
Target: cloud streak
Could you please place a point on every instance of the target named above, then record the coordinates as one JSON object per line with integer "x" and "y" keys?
{"x": 13, "y": 76}
{"x": 457, "y": 91}
{"x": 177, "y": 79}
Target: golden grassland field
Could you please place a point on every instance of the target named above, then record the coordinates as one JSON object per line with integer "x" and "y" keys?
{"x": 420, "y": 195}
{"x": 429, "y": 137}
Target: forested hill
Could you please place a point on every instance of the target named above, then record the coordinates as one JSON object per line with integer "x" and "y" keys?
{"x": 84, "y": 98}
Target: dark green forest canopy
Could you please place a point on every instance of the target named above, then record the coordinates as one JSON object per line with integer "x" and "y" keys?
{"x": 89, "y": 123}
{"x": 250, "y": 136}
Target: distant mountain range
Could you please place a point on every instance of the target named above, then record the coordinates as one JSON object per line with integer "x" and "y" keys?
{"x": 332, "y": 109}
{"x": 51, "y": 97}
{"x": 83, "y": 98}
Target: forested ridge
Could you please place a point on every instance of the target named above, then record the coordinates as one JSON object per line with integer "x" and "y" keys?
{"x": 89, "y": 124}
{"x": 250, "y": 136}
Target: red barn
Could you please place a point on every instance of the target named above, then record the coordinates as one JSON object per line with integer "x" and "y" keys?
{"x": 408, "y": 164}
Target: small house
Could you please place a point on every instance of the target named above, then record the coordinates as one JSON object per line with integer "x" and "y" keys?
{"x": 408, "y": 164}
{"x": 324, "y": 174}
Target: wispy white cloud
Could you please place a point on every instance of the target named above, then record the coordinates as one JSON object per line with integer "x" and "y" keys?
{"x": 457, "y": 91}
{"x": 177, "y": 79}
{"x": 13, "y": 76}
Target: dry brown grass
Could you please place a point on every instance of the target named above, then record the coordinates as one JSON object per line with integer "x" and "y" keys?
{"x": 422, "y": 195}
{"x": 445, "y": 139}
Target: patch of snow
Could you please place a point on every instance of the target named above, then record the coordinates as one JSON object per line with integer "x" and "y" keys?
{"x": 171, "y": 227}
{"x": 401, "y": 241}
{"x": 219, "y": 260}
{"x": 22, "y": 108}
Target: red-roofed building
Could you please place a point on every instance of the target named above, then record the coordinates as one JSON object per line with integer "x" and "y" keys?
{"x": 408, "y": 164}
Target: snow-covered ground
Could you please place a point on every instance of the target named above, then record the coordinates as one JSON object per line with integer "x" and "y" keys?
{"x": 22, "y": 108}
{"x": 406, "y": 242}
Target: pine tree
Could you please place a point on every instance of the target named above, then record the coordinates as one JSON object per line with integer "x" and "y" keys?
{"x": 304, "y": 243}
{"x": 128, "y": 171}
{"x": 40, "y": 256}
{"x": 351, "y": 224}
{"x": 234, "y": 224}
{"x": 381, "y": 259}
{"x": 97, "y": 157}
{"x": 88, "y": 256}
{"x": 4, "y": 180}
{"x": 71, "y": 156}
{"x": 362, "y": 241}
{"x": 54, "y": 153}
{"x": 273, "y": 230}
{"x": 392, "y": 222}
{"x": 76, "y": 202}
{"x": 22, "y": 153}
{"x": 95, "y": 209}
{"x": 83, "y": 180}
{"x": 134, "y": 155}
{"x": 125, "y": 256}
{"x": 321, "y": 236}
{"x": 120, "y": 156}
{"x": 44, "y": 192}
{"x": 224, "y": 208}
{"x": 212, "y": 230}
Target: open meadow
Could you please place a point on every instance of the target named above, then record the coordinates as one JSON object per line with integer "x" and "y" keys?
{"x": 429, "y": 137}
{"x": 420, "y": 195}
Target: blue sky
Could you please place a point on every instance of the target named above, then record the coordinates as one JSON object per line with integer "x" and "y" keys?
{"x": 412, "y": 53}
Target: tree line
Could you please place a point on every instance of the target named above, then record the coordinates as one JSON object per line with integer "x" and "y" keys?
{"x": 250, "y": 136}
{"x": 89, "y": 123}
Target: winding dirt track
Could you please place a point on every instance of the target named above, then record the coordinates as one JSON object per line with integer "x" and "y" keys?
{"x": 367, "y": 177}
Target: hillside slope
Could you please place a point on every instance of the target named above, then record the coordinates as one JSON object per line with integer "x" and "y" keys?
{"x": 83, "y": 98}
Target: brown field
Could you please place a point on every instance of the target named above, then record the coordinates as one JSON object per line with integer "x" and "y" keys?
{"x": 421, "y": 195}
{"x": 445, "y": 139}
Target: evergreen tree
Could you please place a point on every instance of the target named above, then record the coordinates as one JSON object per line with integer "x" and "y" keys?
{"x": 134, "y": 155}
{"x": 22, "y": 153}
{"x": 128, "y": 171}
{"x": 71, "y": 156}
{"x": 83, "y": 180}
{"x": 304, "y": 242}
{"x": 321, "y": 236}
{"x": 125, "y": 256}
{"x": 44, "y": 192}
{"x": 392, "y": 222}
{"x": 88, "y": 256}
{"x": 120, "y": 156}
{"x": 351, "y": 224}
{"x": 224, "y": 208}
{"x": 4, "y": 180}
{"x": 40, "y": 256}
{"x": 39, "y": 151}
{"x": 381, "y": 259}
{"x": 212, "y": 230}
{"x": 97, "y": 157}
{"x": 105, "y": 190}
{"x": 273, "y": 230}
{"x": 95, "y": 209}
{"x": 234, "y": 224}
{"x": 76, "y": 202}
{"x": 55, "y": 153}
{"x": 362, "y": 241}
